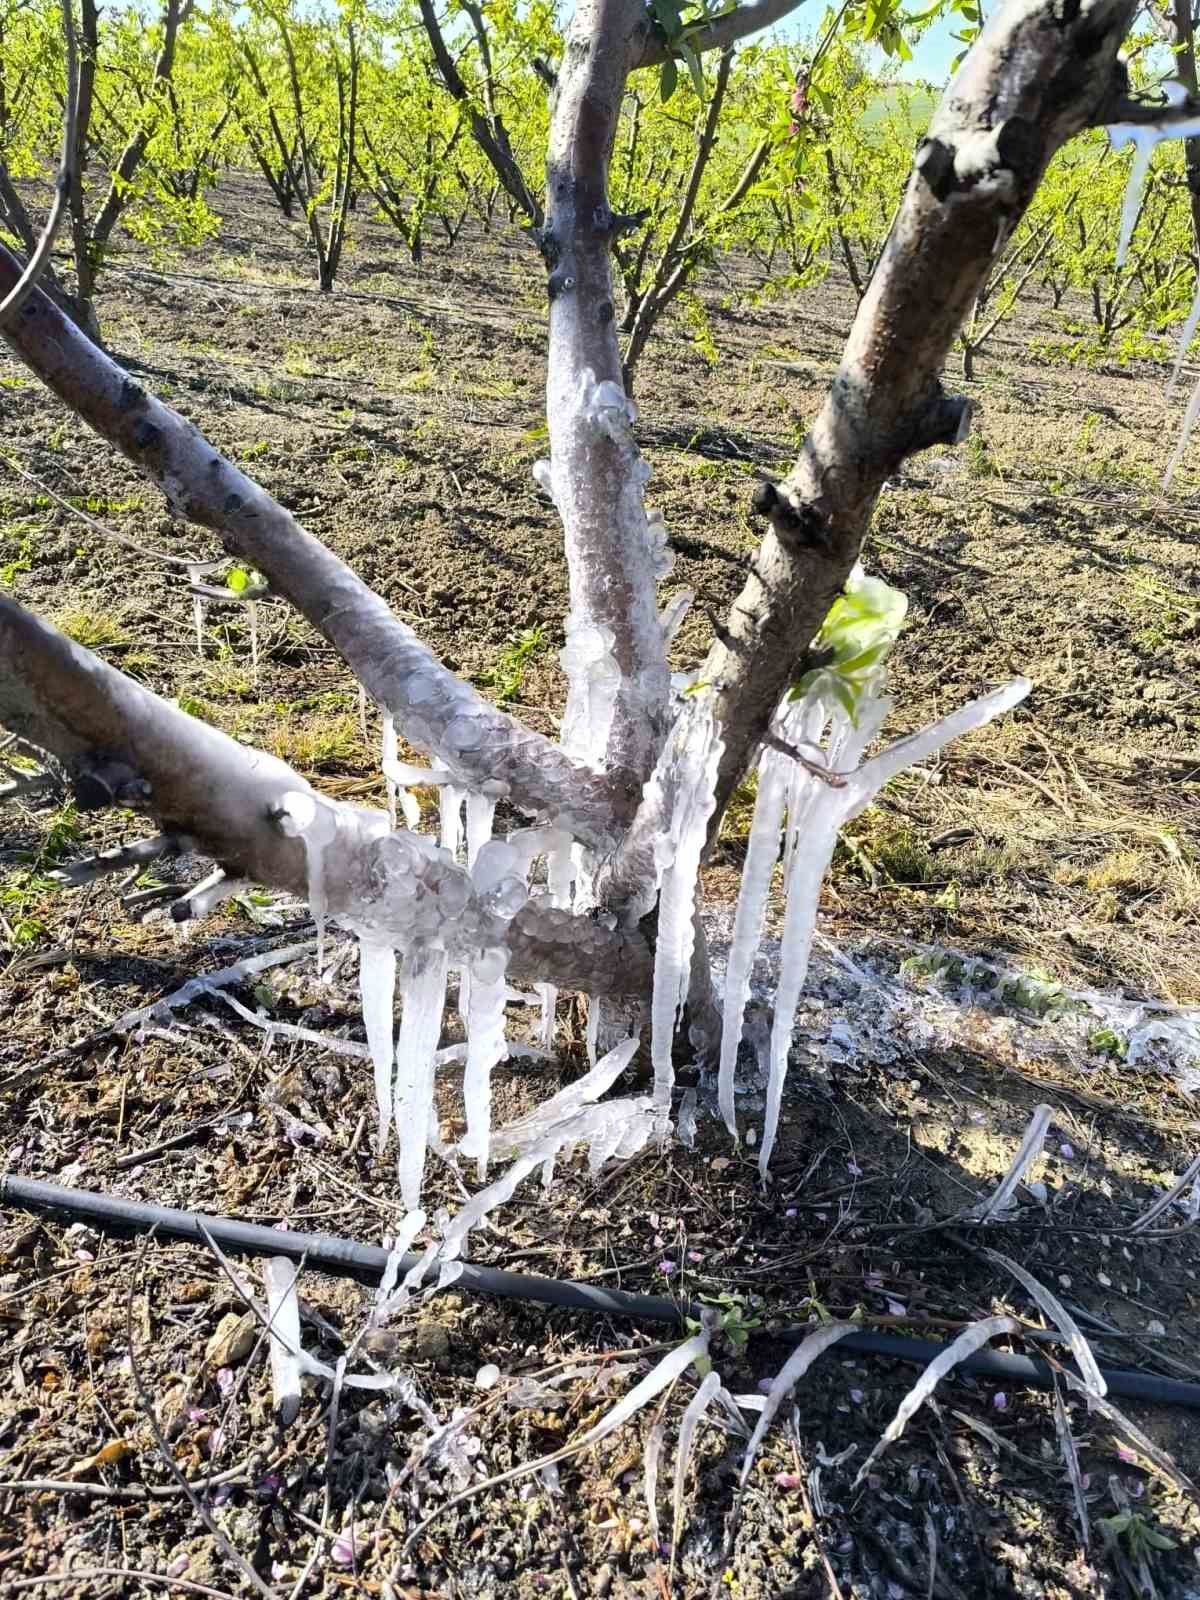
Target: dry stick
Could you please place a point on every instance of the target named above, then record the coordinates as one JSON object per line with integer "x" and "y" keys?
{"x": 40, "y": 257}
{"x": 147, "y": 1404}
{"x": 81, "y": 1574}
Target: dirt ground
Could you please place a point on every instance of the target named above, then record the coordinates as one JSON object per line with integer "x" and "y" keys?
{"x": 399, "y": 417}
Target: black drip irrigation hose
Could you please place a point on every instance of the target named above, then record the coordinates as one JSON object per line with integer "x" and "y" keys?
{"x": 347, "y": 1258}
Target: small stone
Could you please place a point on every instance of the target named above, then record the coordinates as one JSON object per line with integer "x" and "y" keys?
{"x": 232, "y": 1341}
{"x": 433, "y": 1341}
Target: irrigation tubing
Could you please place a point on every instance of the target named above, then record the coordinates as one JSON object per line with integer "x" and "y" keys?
{"x": 347, "y": 1258}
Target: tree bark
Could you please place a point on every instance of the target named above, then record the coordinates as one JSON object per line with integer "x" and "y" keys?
{"x": 1185, "y": 69}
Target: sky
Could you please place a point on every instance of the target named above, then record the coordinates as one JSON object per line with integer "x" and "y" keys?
{"x": 937, "y": 49}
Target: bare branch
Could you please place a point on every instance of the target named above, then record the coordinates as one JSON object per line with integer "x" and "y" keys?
{"x": 721, "y": 32}
{"x": 39, "y": 258}
{"x": 125, "y": 744}
{"x": 436, "y": 712}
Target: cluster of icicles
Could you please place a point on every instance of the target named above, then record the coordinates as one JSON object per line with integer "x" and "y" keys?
{"x": 445, "y": 906}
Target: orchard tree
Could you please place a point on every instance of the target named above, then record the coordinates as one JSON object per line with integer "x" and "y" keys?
{"x": 640, "y": 778}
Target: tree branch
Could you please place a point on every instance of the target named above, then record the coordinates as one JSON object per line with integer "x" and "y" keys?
{"x": 491, "y": 136}
{"x": 1038, "y": 75}
{"x": 122, "y": 744}
{"x": 721, "y": 32}
{"x": 485, "y": 748}
{"x": 596, "y": 471}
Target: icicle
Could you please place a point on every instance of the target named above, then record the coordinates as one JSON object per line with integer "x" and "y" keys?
{"x": 377, "y": 985}
{"x": 450, "y": 805}
{"x": 481, "y": 811}
{"x": 827, "y": 808}
{"x": 593, "y": 1026}
{"x": 485, "y": 1048}
{"x": 315, "y": 821}
{"x": 671, "y": 616}
{"x": 387, "y": 1301}
{"x": 283, "y": 1315}
{"x": 761, "y": 853}
{"x": 423, "y": 995}
{"x": 1143, "y": 136}
{"x": 1185, "y": 341}
{"x": 362, "y": 714}
{"x": 197, "y": 574}
{"x": 693, "y": 751}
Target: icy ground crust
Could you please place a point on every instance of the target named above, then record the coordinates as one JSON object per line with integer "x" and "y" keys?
{"x": 876, "y": 1000}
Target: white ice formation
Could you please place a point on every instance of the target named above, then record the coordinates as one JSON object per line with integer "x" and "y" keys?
{"x": 812, "y": 780}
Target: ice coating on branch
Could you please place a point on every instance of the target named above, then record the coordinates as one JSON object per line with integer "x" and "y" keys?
{"x": 377, "y": 986}
{"x": 685, "y": 779}
{"x": 593, "y": 681}
{"x": 526, "y": 1131}
{"x": 283, "y": 1316}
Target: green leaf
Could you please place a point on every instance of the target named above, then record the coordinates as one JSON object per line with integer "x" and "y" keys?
{"x": 668, "y": 78}
{"x": 692, "y": 62}
{"x": 237, "y": 580}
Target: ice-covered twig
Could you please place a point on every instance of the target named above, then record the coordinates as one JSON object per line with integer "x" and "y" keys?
{"x": 1093, "y": 1378}
{"x": 1066, "y": 1443}
{"x": 694, "y": 1412}
{"x": 283, "y": 1311}
{"x": 1027, "y": 1152}
{"x": 788, "y": 1376}
{"x": 664, "y": 1372}
{"x": 968, "y": 1341}
{"x": 1153, "y": 1212}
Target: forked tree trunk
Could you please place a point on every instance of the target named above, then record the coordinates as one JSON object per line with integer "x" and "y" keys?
{"x": 1039, "y": 74}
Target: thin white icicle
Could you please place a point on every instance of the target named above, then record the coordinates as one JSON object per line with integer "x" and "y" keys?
{"x": 1131, "y": 204}
{"x": 762, "y": 851}
{"x": 387, "y": 1301}
{"x": 316, "y": 822}
{"x": 694, "y": 751}
{"x": 1028, "y": 1151}
{"x": 696, "y": 1407}
{"x": 537, "y": 1124}
{"x": 485, "y": 1049}
{"x": 283, "y": 1314}
{"x": 1143, "y": 136}
{"x": 388, "y": 759}
{"x": 827, "y": 809}
{"x": 1185, "y": 340}
{"x": 1185, "y": 433}
{"x": 450, "y": 806}
{"x": 593, "y": 1027}
{"x": 672, "y": 614}
{"x": 423, "y": 995}
{"x": 481, "y": 812}
{"x": 377, "y": 986}
{"x": 788, "y": 1376}
{"x": 560, "y": 877}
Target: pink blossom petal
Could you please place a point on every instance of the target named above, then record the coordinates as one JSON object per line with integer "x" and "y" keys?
{"x": 666, "y": 1268}
{"x": 1000, "y": 1400}
{"x": 787, "y": 1480}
